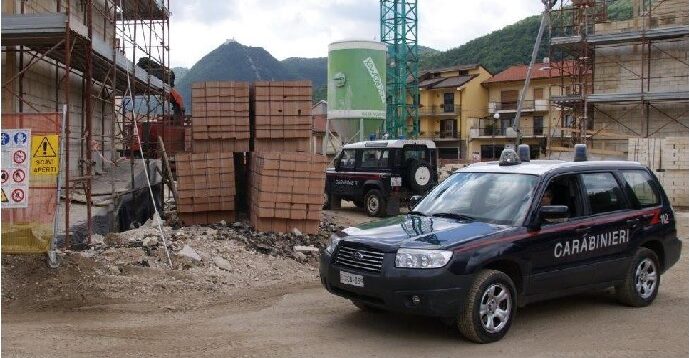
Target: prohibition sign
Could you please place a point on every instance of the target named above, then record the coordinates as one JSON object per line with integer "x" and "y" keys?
{"x": 17, "y": 195}
{"x": 18, "y": 176}
{"x": 19, "y": 156}
{"x": 5, "y": 176}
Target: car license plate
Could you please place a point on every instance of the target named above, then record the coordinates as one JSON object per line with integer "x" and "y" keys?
{"x": 351, "y": 279}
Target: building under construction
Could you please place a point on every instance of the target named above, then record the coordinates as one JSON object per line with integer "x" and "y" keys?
{"x": 630, "y": 78}
{"x": 94, "y": 58}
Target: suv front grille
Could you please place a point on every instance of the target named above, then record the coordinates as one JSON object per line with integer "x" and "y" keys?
{"x": 359, "y": 258}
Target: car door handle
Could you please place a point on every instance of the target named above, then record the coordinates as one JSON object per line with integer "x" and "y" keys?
{"x": 581, "y": 229}
{"x": 633, "y": 222}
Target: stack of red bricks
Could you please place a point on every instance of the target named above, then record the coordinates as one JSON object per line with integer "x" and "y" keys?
{"x": 220, "y": 112}
{"x": 206, "y": 187}
{"x": 286, "y": 191}
{"x": 282, "y": 116}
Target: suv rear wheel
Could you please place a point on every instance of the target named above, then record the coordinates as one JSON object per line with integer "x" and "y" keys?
{"x": 641, "y": 282}
{"x": 375, "y": 203}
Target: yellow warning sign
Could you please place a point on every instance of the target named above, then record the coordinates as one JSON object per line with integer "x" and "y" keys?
{"x": 4, "y": 197}
{"x": 44, "y": 158}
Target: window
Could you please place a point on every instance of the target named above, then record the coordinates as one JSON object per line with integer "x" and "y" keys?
{"x": 509, "y": 99}
{"x": 414, "y": 153}
{"x": 603, "y": 192}
{"x": 538, "y": 125}
{"x": 448, "y": 153}
{"x": 538, "y": 93}
{"x": 564, "y": 190}
{"x": 374, "y": 158}
{"x": 498, "y": 198}
{"x": 448, "y": 102}
{"x": 491, "y": 151}
{"x": 639, "y": 181}
{"x": 348, "y": 159}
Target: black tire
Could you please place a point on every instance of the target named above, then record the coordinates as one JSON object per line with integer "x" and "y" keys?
{"x": 365, "y": 307}
{"x": 422, "y": 182}
{"x": 332, "y": 202}
{"x": 470, "y": 321}
{"x": 374, "y": 203}
{"x": 326, "y": 202}
{"x": 643, "y": 269}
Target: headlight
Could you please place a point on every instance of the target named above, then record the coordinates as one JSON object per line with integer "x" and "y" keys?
{"x": 332, "y": 244}
{"x": 416, "y": 258}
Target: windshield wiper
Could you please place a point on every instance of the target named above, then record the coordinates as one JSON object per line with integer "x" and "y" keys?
{"x": 454, "y": 216}
{"x": 414, "y": 212}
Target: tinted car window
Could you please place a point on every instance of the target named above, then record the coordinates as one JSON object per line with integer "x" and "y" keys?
{"x": 374, "y": 158}
{"x": 564, "y": 190}
{"x": 603, "y": 192}
{"x": 639, "y": 182}
{"x": 348, "y": 160}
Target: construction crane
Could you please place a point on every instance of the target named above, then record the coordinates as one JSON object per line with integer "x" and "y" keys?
{"x": 399, "y": 30}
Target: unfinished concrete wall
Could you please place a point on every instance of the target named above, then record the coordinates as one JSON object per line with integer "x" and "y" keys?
{"x": 637, "y": 68}
{"x": 42, "y": 89}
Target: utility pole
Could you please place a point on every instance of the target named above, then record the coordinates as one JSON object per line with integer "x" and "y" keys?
{"x": 545, "y": 18}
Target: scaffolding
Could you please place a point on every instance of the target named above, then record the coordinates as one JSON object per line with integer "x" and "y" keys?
{"x": 620, "y": 79}
{"x": 84, "y": 54}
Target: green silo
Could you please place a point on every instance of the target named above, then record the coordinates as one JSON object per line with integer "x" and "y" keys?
{"x": 356, "y": 88}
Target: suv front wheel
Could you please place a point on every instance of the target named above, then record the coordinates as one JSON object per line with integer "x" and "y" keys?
{"x": 375, "y": 203}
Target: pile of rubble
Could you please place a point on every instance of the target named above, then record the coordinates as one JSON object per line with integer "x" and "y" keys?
{"x": 211, "y": 264}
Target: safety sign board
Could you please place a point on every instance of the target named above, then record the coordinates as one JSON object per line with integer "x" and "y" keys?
{"x": 16, "y": 146}
{"x": 44, "y": 157}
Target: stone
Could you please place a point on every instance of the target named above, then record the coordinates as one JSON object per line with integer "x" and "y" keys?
{"x": 211, "y": 232}
{"x": 237, "y": 224}
{"x": 114, "y": 269}
{"x": 222, "y": 263}
{"x": 306, "y": 249}
{"x": 299, "y": 256}
{"x": 188, "y": 252}
{"x": 223, "y": 222}
{"x": 150, "y": 241}
{"x": 296, "y": 231}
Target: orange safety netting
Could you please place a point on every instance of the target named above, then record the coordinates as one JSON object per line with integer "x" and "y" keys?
{"x": 31, "y": 229}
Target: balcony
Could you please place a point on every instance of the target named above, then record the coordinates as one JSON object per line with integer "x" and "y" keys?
{"x": 490, "y": 131}
{"x": 439, "y": 110}
{"x": 539, "y": 105}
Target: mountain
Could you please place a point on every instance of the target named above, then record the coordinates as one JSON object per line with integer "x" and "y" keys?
{"x": 510, "y": 45}
{"x": 233, "y": 61}
{"x": 180, "y": 72}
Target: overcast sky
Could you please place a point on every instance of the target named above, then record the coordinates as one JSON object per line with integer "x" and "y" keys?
{"x": 304, "y": 28}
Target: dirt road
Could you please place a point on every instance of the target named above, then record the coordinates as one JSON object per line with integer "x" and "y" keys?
{"x": 295, "y": 317}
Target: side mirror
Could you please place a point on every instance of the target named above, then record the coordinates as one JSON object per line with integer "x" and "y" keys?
{"x": 414, "y": 200}
{"x": 549, "y": 213}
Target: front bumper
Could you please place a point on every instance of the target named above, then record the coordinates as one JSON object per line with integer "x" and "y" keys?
{"x": 441, "y": 292}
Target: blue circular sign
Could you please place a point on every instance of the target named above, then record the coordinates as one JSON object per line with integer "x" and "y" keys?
{"x": 20, "y": 138}
{"x": 5, "y": 138}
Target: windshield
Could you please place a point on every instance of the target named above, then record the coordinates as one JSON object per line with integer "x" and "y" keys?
{"x": 497, "y": 198}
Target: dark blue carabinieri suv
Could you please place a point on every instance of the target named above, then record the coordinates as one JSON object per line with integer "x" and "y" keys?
{"x": 496, "y": 236}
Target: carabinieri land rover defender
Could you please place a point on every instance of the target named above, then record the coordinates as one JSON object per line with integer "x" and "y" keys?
{"x": 497, "y": 236}
{"x": 379, "y": 175}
